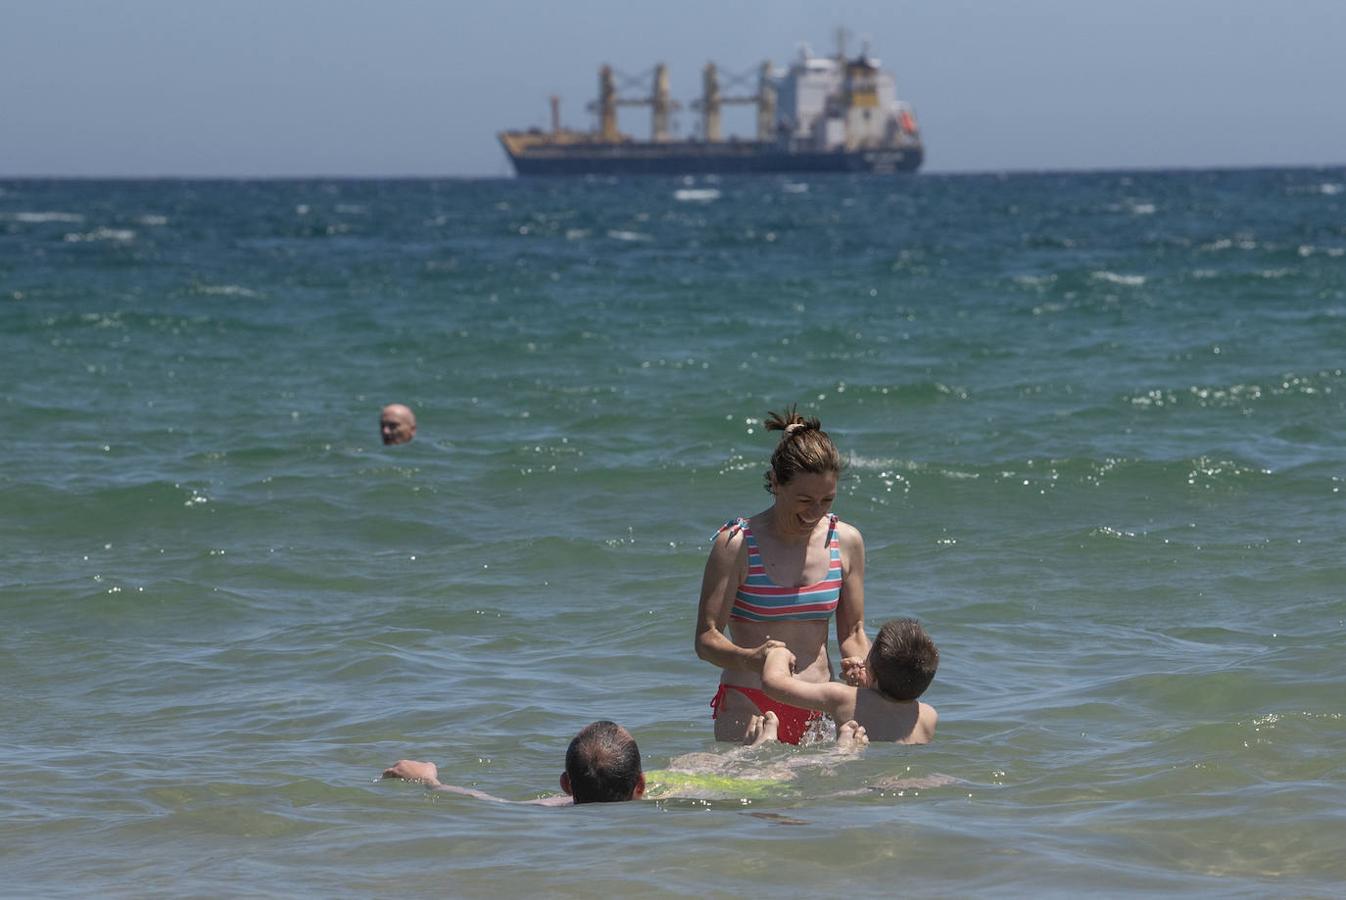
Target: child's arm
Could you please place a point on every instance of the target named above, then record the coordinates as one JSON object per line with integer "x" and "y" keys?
{"x": 780, "y": 685}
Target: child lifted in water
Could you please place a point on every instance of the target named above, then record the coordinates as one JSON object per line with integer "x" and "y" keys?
{"x": 900, "y": 666}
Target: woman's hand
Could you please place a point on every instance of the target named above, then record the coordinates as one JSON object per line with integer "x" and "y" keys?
{"x": 760, "y": 652}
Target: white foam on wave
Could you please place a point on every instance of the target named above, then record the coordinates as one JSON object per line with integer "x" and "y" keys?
{"x": 795, "y": 187}
{"x": 116, "y": 235}
{"x": 696, "y": 195}
{"x": 226, "y": 290}
{"x": 1242, "y": 242}
{"x": 1035, "y": 281}
{"x": 1326, "y": 188}
{"x": 875, "y": 463}
{"x": 1307, "y": 250}
{"x": 39, "y": 217}
{"x": 618, "y": 235}
{"x": 1115, "y": 278}
{"x": 1109, "y": 531}
{"x": 1142, "y": 209}
{"x": 152, "y": 219}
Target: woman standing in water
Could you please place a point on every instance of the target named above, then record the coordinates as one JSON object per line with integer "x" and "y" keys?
{"x": 777, "y": 578}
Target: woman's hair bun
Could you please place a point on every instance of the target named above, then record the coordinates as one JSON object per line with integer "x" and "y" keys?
{"x": 791, "y": 422}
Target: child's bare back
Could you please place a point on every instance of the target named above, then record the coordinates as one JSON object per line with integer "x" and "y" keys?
{"x": 895, "y": 721}
{"x": 901, "y": 664}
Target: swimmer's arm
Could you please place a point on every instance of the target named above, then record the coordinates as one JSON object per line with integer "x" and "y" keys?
{"x": 851, "y": 637}
{"x": 559, "y": 800}
{"x": 783, "y": 687}
{"x": 724, "y": 572}
{"x": 428, "y": 774}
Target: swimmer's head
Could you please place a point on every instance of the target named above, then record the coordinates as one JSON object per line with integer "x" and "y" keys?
{"x": 397, "y": 424}
{"x": 902, "y": 660}
{"x": 603, "y": 765}
{"x": 803, "y": 448}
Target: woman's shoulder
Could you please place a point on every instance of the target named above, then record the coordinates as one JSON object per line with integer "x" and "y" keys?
{"x": 848, "y": 534}
{"x": 733, "y": 529}
{"x": 731, "y": 536}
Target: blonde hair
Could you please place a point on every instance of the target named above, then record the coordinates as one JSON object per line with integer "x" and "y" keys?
{"x": 804, "y": 447}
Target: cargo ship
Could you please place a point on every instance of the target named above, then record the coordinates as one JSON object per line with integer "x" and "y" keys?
{"x": 821, "y": 114}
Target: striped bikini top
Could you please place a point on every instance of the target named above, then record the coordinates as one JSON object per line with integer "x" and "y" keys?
{"x": 759, "y": 600}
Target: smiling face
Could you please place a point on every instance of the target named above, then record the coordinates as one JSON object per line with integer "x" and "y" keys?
{"x": 397, "y": 424}
{"x": 802, "y": 501}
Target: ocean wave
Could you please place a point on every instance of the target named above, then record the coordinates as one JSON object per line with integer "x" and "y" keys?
{"x": 1134, "y": 207}
{"x": 1307, "y": 250}
{"x": 1115, "y": 278}
{"x": 1324, "y": 383}
{"x": 1325, "y": 188}
{"x": 621, "y": 235}
{"x": 1240, "y": 242}
{"x": 40, "y": 217}
{"x": 696, "y": 195}
{"x": 115, "y": 235}
{"x": 1203, "y": 471}
{"x": 225, "y": 290}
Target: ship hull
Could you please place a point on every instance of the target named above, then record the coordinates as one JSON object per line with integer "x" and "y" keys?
{"x": 691, "y": 158}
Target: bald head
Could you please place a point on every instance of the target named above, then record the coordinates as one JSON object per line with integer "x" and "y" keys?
{"x": 397, "y": 424}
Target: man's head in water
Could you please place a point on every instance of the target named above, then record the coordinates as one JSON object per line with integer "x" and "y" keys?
{"x": 902, "y": 660}
{"x": 397, "y": 424}
{"x": 603, "y": 765}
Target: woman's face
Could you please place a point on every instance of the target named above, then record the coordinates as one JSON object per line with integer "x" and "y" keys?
{"x": 803, "y": 500}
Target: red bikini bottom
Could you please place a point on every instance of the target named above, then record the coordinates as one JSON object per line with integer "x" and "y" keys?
{"x": 793, "y": 720}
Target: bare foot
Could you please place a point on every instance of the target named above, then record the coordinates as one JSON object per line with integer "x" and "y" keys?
{"x": 762, "y": 729}
{"x": 851, "y": 736}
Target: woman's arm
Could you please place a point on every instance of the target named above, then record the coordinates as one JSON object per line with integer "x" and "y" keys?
{"x": 724, "y": 572}
{"x": 851, "y": 637}
{"x": 780, "y": 685}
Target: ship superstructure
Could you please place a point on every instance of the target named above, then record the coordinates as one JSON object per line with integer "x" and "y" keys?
{"x": 821, "y": 114}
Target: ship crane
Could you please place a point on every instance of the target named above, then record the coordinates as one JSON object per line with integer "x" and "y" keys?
{"x": 660, "y": 101}
{"x": 712, "y": 101}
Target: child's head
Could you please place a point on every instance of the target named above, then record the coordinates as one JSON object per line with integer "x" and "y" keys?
{"x": 902, "y": 660}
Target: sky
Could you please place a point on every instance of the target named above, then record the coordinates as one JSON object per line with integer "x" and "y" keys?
{"x": 365, "y": 88}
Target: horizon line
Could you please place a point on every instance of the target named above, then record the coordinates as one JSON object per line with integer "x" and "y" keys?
{"x": 1064, "y": 170}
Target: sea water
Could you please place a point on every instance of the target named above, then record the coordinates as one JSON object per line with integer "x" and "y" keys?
{"x": 1095, "y": 429}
